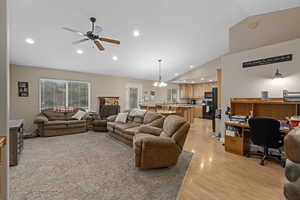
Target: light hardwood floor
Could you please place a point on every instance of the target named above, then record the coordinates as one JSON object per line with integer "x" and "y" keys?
{"x": 217, "y": 175}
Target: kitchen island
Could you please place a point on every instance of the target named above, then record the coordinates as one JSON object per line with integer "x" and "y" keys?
{"x": 184, "y": 110}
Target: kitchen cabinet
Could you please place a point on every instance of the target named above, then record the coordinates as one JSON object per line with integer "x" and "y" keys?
{"x": 183, "y": 91}
{"x": 195, "y": 91}
{"x": 198, "y": 91}
{"x": 186, "y": 91}
{"x": 197, "y": 111}
{"x": 190, "y": 92}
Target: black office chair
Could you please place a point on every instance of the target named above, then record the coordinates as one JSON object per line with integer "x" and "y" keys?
{"x": 265, "y": 132}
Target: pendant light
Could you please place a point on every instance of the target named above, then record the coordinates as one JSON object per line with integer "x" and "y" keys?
{"x": 277, "y": 74}
{"x": 159, "y": 83}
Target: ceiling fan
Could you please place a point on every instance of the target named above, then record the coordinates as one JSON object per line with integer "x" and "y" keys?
{"x": 93, "y": 35}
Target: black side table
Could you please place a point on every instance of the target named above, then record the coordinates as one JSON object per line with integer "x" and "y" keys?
{"x": 100, "y": 125}
{"x": 92, "y": 116}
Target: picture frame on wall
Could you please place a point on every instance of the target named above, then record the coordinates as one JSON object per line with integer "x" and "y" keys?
{"x": 23, "y": 89}
{"x": 152, "y": 92}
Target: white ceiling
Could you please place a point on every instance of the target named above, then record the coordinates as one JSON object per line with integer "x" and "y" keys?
{"x": 182, "y": 33}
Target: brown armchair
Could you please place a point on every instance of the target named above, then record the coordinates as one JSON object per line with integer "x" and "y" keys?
{"x": 292, "y": 169}
{"x": 156, "y": 148}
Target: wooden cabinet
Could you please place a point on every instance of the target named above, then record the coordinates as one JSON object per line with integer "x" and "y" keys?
{"x": 186, "y": 91}
{"x": 198, "y": 91}
{"x": 195, "y": 91}
{"x": 190, "y": 92}
{"x": 15, "y": 141}
{"x": 198, "y": 111}
{"x": 182, "y": 91}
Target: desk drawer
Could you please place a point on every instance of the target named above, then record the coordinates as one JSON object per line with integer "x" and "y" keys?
{"x": 234, "y": 144}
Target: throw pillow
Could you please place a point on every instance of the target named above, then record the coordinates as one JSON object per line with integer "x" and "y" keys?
{"x": 79, "y": 115}
{"x": 122, "y": 117}
{"x": 137, "y": 113}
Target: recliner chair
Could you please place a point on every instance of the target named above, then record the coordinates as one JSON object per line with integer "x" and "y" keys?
{"x": 157, "y": 148}
{"x": 292, "y": 170}
{"x": 265, "y": 132}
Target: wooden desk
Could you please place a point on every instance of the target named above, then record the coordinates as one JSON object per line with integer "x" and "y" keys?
{"x": 240, "y": 144}
{"x": 275, "y": 108}
{"x": 246, "y": 125}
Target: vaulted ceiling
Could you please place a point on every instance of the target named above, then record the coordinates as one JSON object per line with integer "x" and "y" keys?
{"x": 182, "y": 33}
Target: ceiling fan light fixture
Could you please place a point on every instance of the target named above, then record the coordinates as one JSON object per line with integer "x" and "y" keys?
{"x": 93, "y": 35}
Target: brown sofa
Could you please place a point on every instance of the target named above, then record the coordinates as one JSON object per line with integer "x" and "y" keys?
{"x": 51, "y": 123}
{"x": 126, "y": 131}
{"x": 156, "y": 148}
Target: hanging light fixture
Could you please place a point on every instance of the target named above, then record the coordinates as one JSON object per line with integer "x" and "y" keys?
{"x": 159, "y": 83}
{"x": 277, "y": 74}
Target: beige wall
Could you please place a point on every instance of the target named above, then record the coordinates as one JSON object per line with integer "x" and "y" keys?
{"x": 249, "y": 82}
{"x": 101, "y": 85}
{"x": 272, "y": 28}
{"x": 207, "y": 71}
{"x": 4, "y": 96}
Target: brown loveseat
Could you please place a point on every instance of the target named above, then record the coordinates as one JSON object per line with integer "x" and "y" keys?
{"x": 156, "y": 148}
{"x": 51, "y": 123}
{"x": 126, "y": 131}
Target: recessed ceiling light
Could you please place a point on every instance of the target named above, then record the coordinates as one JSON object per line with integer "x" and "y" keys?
{"x": 115, "y": 58}
{"x": 191, "y": 66}
{"x": 176, "y": 74}
{"x": 136, "y": 33}
{"x": 29, "y": 41}
{"x": 79, "y": 51}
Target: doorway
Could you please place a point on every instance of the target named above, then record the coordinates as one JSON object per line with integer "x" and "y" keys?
{"x": 133, "y": 95}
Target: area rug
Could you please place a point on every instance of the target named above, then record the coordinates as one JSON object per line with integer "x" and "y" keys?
{"x": 90, "y": 166}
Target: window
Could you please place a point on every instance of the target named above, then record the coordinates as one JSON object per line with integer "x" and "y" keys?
{"x": 133, "y": 95}
{"x": 133, "y": 98}
{"x": 173, "y": 95}
{"x": 62, "y": 93}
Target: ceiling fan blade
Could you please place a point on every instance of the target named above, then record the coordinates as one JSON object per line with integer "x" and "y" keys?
{"x": 99, "y": 45}
{"x": 73, "y": 30}
{"x": 80, "y": 41}
{"x": 98, "y": 30}
{"x": 109, "y": 40}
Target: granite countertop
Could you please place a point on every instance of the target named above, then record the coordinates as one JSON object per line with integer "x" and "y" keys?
{"x": 173, "y": 105}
